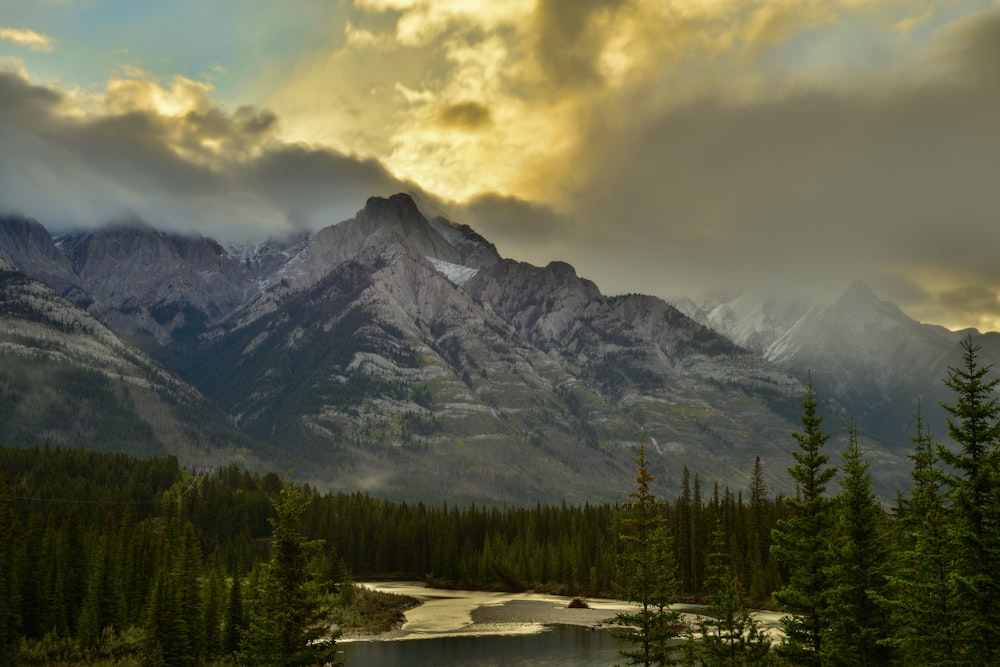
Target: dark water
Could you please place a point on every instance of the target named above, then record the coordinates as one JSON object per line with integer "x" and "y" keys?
{"x": 559, "y": 646}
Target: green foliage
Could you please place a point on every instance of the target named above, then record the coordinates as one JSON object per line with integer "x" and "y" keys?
{"x": 369, "y": 612}
{"x": 421, "y": 395}
{"x": 650, "y": 576}
{"x": 974, "y": 495}
{"x": 109, "y": 559}
{"x": 799, "y": 543}
{"x": 288, "y": 620}
{"x": 922, "y": 601}
{"x": 857, "y": 609}
{"x": 730, "y": 634}
{"x": 9, "y": 615}
{"x": 43, "y": 399}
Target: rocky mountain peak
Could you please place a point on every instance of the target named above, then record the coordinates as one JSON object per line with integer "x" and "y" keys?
{"x": 399, "y": 206}
{"x": 28, "y": 237}
{"x": 29, "y": 247}
{"x": 391, "y": 343}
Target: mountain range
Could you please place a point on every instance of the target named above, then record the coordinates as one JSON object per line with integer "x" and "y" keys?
{"x": 400, "y": 354}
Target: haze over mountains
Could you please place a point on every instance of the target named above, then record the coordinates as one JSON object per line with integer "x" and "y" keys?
{"x": 403, "y": 355}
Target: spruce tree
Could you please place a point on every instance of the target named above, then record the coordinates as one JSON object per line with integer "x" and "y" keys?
{"x": 731, "y": 635}
{"x": 760, "y": 581}
{"x": 288, "y": 616}
{"x": 650, "y": 576}
{"x": 974, "y": 425}
{"x": 923, "y": 601}
{"x": 857, "y": 608}
{"x": 9, "y": 615}
{"x": 799, "y": 542}
{"x": 233, "y": 621}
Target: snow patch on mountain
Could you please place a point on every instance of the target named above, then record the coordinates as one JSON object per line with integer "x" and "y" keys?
{"x": 457, "y": 274}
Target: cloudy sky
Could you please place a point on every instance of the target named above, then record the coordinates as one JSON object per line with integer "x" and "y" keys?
{"x": 670, "y": 147}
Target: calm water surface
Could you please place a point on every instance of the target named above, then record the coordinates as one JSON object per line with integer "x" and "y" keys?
{"x": 559, "y": 646}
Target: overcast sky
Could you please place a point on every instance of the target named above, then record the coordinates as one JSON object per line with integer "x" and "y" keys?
{"x": 669, "y": 147}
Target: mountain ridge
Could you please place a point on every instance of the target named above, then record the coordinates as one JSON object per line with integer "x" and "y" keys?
{"x": 400, "y": 354}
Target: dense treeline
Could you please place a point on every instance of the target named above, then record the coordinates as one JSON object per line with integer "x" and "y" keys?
{"x": 89, "y": 539}
{"x": 859, "y": 587}
{"x": 104, "y": 557}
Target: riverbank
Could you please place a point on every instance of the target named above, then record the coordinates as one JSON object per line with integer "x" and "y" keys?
{"x": 458, "y": 613}
{"x": 454, "y": 613}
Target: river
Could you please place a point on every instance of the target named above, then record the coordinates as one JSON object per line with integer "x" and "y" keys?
{"x": 485, "y": 629}
{"x": 557, "y": 646}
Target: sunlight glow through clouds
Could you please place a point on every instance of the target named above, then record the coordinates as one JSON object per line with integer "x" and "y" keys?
{"x": 521, "y": 62}
{"x": 710, "y": 141}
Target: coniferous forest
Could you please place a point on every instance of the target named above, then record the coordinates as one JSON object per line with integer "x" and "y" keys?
{"x": 108, "y": 559}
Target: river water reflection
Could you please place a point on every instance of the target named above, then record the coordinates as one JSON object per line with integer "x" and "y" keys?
{"x": 557, "y": 646}
{"x": 482, "y": 628}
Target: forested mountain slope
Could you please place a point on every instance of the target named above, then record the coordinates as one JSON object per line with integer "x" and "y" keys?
{"x": 66, "y": 379}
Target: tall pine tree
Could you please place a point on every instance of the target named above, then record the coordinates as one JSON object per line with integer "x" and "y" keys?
{"x": 650, "y": 575}
{"x": 731, "y": 635}
{"x": 9, "y": 616}
{"x": 974, "y": 425}
{"x": 857, "y": 608}
{"x": 923, "y": 601}
{"x": 799, "y": 542}
{"x": 288, "y": 616}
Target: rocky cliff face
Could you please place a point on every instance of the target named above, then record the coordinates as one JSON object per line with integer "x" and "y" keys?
{"x": 402, "y": 355}
{"x": 394, "y": 343}
{"x": 169, "y": 288}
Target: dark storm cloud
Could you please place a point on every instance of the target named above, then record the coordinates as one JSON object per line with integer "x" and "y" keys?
{"x": 569, "y": 42}
{"x": 533, "y": 231}
{"x": 316, "y": 186}
{"x": 224, "y": 174}
{"x": 465, "y": 115}
{"x": 816, "y": 187}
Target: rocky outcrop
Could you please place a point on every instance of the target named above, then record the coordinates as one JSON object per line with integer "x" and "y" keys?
{"x": 402, "y": 355}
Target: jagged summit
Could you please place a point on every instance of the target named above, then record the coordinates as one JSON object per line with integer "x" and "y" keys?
{"x": 402, "y": 355}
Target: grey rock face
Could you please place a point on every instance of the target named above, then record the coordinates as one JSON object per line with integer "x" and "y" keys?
{"x": 402, "y": 355}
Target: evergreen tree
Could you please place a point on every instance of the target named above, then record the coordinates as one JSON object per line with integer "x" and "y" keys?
{"x": 288, "y": 615}
{"x": 684, "y": 536}
{"x": 650, "y": 576}
{"x": 9, "y": 631}
{"x": 103, "y": 606}
{"x": 799, "y": 542}
{"x": 760, "y": 569}
{"x": 857, "y": 612}
{"x": 233, "y": 621}
{"x": 213, "y": 595}
{"x": 923, "y": 600}
{"x": 730, "y": 634}
{"x": 974, "y": 425}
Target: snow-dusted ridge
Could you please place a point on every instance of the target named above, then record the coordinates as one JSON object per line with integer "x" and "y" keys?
{"x": 456, "y": 273}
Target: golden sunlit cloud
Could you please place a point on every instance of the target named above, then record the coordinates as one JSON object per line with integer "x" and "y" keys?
{"x": 28, "y": 38}
{"x": 736, "y": 129}
{"x": 135, "y": 90}
{"x": 182, "y": 113}
{"x": 408, "y": 87}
